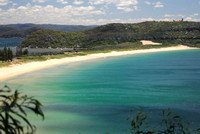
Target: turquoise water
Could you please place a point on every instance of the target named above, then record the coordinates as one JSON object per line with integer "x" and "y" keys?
{"x": 95, "y": 97}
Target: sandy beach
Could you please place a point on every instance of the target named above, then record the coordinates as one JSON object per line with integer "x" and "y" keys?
{"x": 148, "y": 42}
{"x": 19, "y": 69}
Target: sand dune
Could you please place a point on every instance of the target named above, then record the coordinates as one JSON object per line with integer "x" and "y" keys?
{"x": 15, "y": 70}
{"x": 148, "y": 42}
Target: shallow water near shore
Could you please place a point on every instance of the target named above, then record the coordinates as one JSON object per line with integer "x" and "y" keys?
{"x": 95, "y": 97}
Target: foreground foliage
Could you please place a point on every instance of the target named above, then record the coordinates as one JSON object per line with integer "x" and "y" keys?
{"x": 13, "y": 111}
{"x": 171, "y": 123}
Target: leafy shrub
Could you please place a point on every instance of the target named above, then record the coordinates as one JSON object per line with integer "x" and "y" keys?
{"x": 13, "y": 114}
{"x": 171, "y": 123}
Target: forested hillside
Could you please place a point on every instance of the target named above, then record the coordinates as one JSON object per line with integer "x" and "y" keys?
{"x": 23, "y": 30}
{"x": 49, "y": 26}
{"x": 114, "y": 34}
{"x": 8, "y": 32}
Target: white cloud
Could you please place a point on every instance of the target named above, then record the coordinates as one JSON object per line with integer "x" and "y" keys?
{"x": 125, "y": 5}
{"x": 78, "y": 2}
{"x": 106, "y": 21}
{"x": 52, "y": 15}
{"x": 14, "y": 4}
{"x": 66, "y": 15}
{"x": 147, "y": 2}
{"x": 194, "y": 15}
{"x": 135, "y": 7}
{"x": 181, "y": 15}
{"x": 185, "y": 19}
{"x": 62, "y": 1}
{"x": 39, "y": 1}
{"x": 188, "y": 18}
{"x": 116, "y": 2}
{"x": 158, "y": 4}
{"x": 194, "y": 19}
{"x": 168, "y": 15}
{"x": 174, "y": 15}
{"x": 98, "y": 2}
{"x": 4, "y": 2}
{"x": 47, "y": 14}
{"x": 126, "y": 9}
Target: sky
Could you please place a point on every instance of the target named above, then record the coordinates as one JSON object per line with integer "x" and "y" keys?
{"x": 96, "y": 12}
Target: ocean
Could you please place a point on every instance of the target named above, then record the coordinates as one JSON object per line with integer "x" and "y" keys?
{"x": 96, "y": 96}
{"x": 9, "y": 42}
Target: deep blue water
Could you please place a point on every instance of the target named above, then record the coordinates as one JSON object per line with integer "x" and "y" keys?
{"x": 95, "y": 97}
{"x": 9, "y": 42}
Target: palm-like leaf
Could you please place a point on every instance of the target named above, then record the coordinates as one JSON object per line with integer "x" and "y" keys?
{"x": 14, "y": 104}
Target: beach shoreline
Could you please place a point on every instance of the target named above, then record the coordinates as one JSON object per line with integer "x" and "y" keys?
{"x": 149, "y": 42}
{"x": 19, "y": 69}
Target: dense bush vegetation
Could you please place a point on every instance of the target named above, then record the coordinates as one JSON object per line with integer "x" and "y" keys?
{"x": 50, "y": 38}
{"x": 112, "y": 35}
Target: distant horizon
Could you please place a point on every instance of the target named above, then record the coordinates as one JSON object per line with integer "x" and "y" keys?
{"x": 45, "y": 24}
{"x": 89, "y": 25}
{"x": 93, "y": 12}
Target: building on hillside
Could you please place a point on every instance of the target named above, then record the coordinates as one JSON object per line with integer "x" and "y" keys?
{"x": 176, "y": 20}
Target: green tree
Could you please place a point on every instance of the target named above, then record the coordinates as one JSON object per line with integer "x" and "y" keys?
{"x": 10, "y": 54}
{"x": 25, "y": 52}
{"x": 18, "y": 51}
{"x": 1, "y": 55}
{"x": 5, "y": 54}
{"x": 13, "y": 116}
